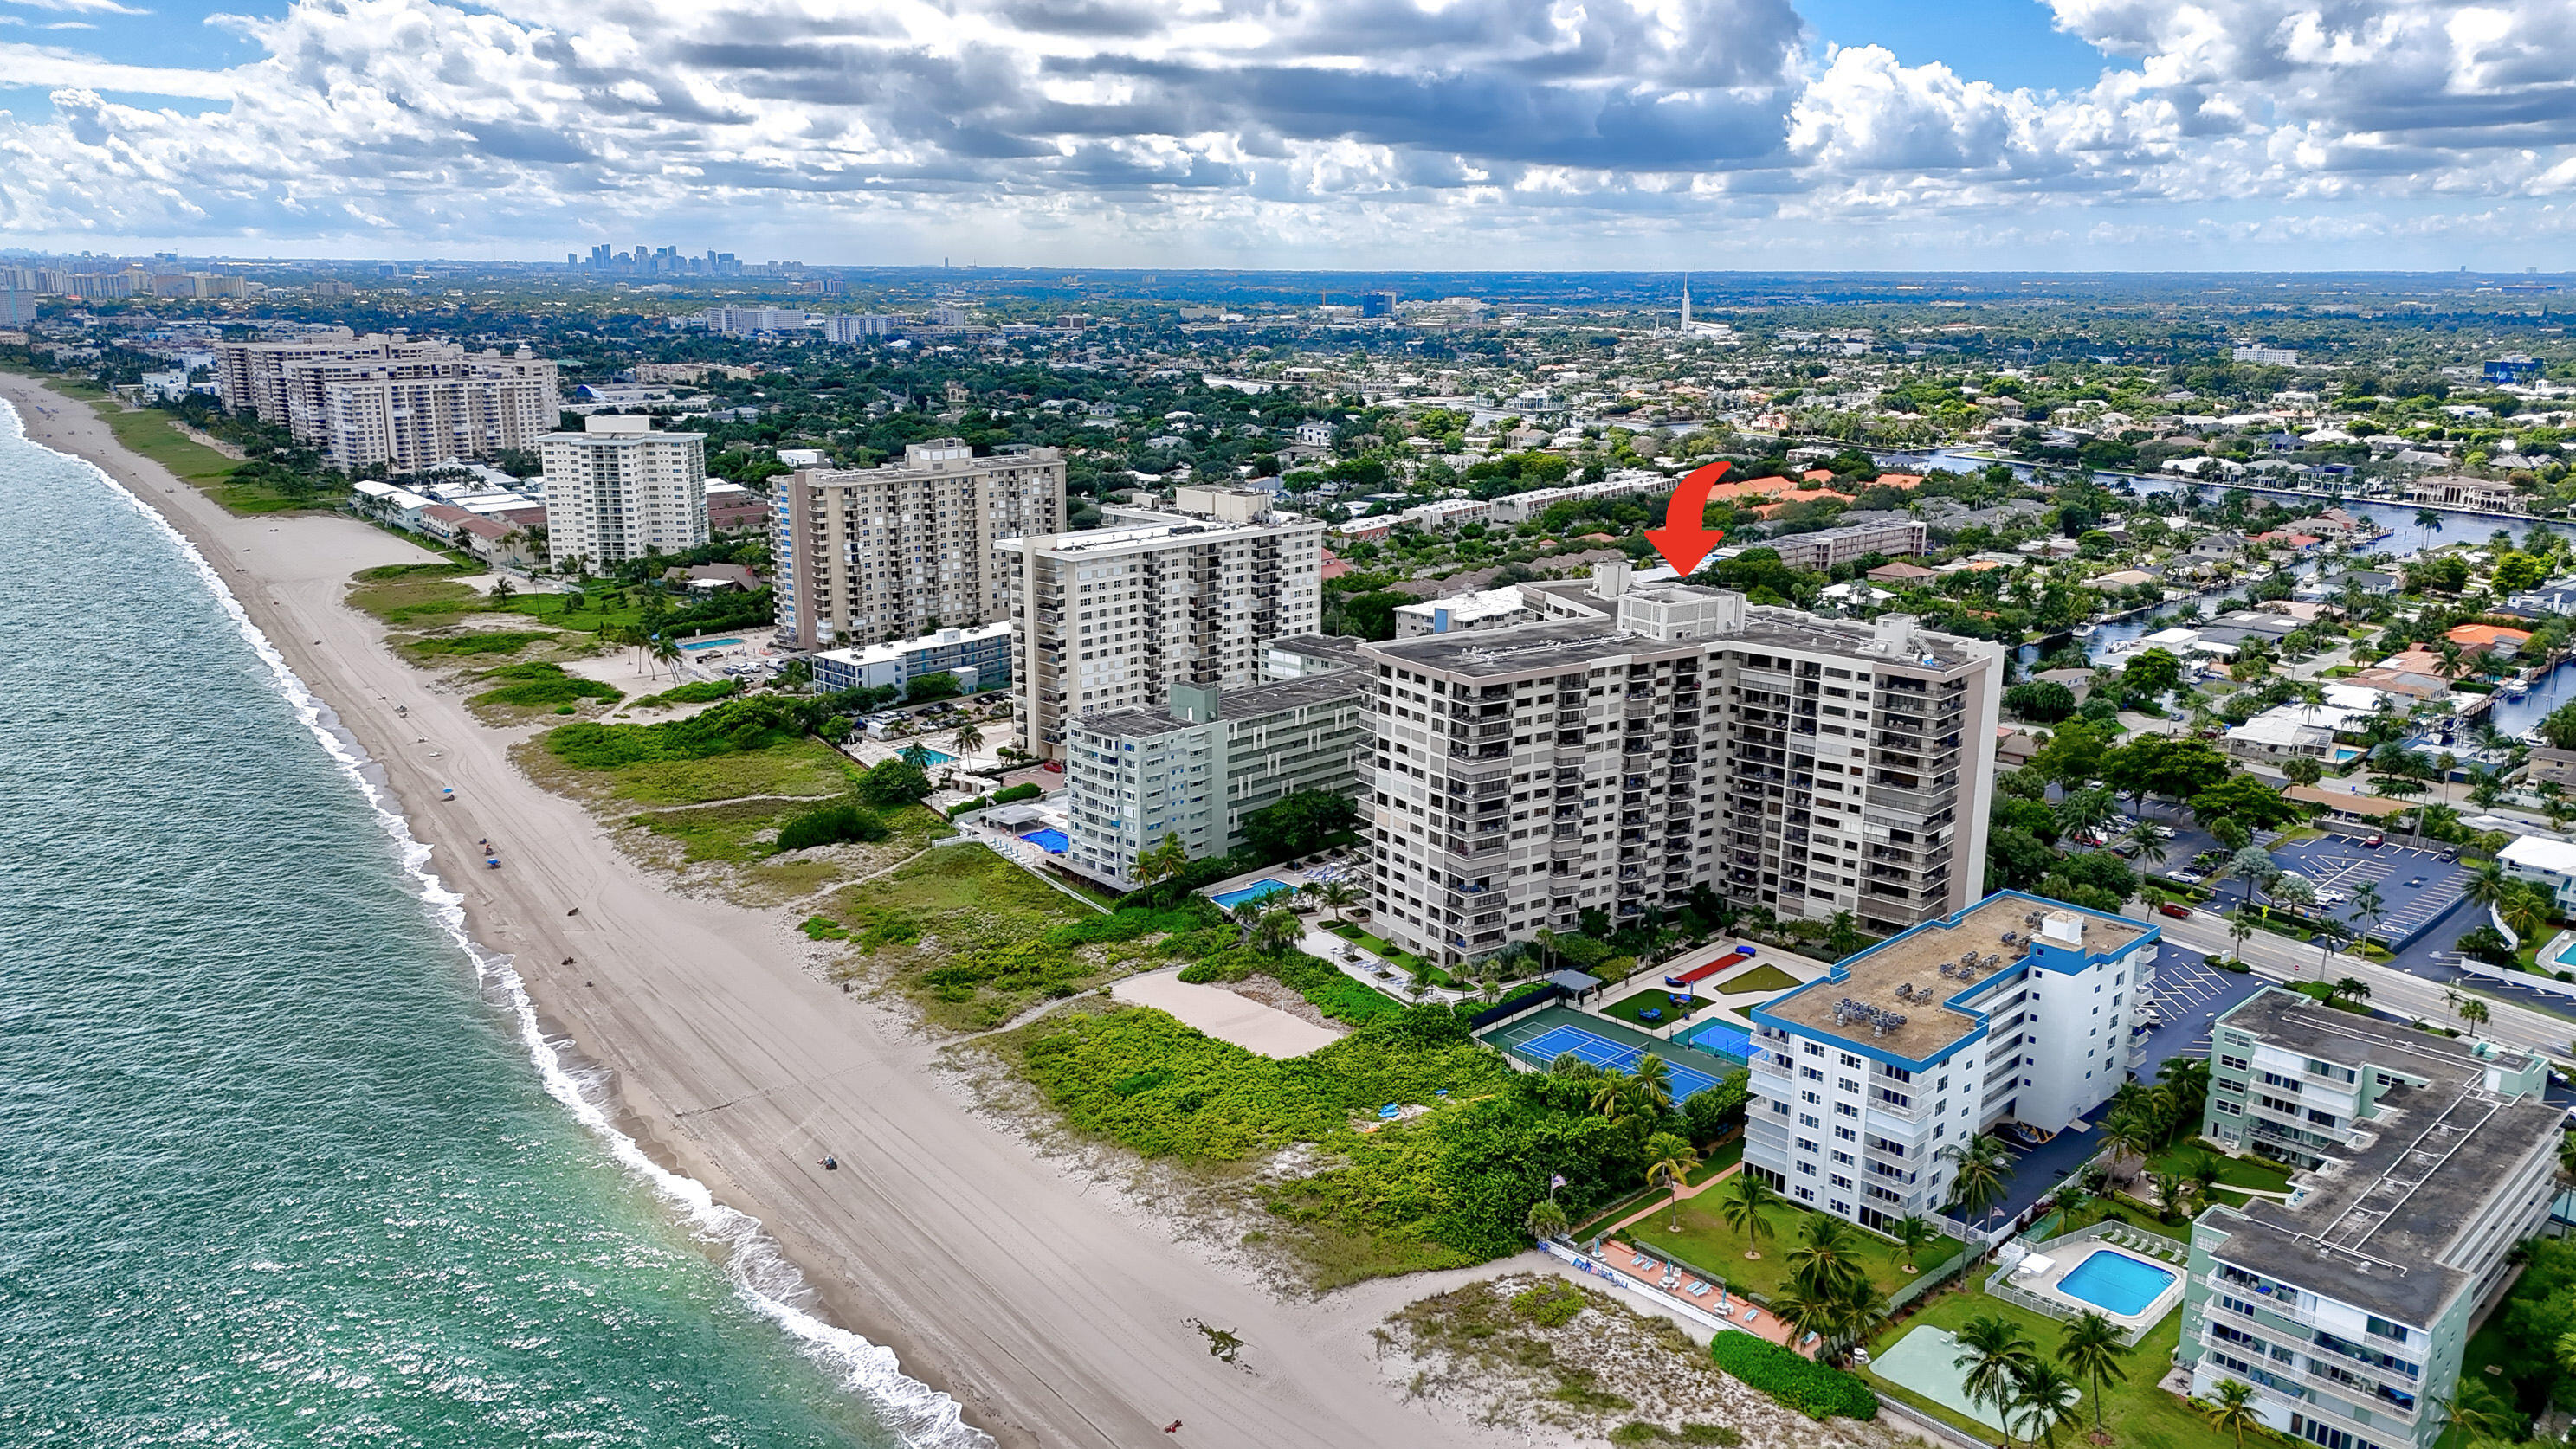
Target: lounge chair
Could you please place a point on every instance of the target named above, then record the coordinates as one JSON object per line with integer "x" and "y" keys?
{"x": 1752, "y": 1314}
{"x": 1640, "y": 1261}
{"x": 1699, "y": 1290}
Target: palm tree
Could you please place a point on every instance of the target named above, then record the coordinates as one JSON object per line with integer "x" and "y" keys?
{"x": 1335, "y": 895}
{"x": 2474, "y": 1012}
{"x": 2368, "y": 905}
{"x": 1993, "y": 1356}
{"x": 1276, "y": 931}
{"x": 1826, "y": 1260}
{"x": 1546, "y": 1219}
{"x": 2349, "y": 988}
{"x": 1672, "y": 1170}
{"x": 1983, "y": 1169}
{"x": 968, "y": 739}
{"x": 2525, "y": 913}
{"x": 2173, "y": 1194}
{"x": 1162, "y": 861}
{"x": 1806, "y": 1310}
{"x": 2234, "y": 1410}
{"x": 1653, "y": 1083}
{"x": 2488, "y": 886}
{"x": 667, "y": 652}
{"x": 1742, "y": 1207}
{"x": 2044, "y": 1400}
{"x": 1915, "y": 1233}
{"x": 2127, "y": 1134}
{"x": 2240, "y": 930}
{"x": 915, "y": 754}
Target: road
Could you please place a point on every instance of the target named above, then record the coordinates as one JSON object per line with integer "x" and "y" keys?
{"x": 2390, "y": 990}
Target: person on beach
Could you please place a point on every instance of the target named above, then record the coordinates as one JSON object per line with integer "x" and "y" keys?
{"x": 831, "y": 1163}
{"x": 1173, "y": 1427}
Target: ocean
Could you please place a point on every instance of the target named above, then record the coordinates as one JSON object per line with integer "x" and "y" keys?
{"x": 282, "y": 1160}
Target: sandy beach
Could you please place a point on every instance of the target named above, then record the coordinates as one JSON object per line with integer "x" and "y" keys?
{"x": 1051, "y": 1310}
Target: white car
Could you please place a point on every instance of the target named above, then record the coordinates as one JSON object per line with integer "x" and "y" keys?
{"x": 2332, "y": 897}
{"x": 2187, "y": 877}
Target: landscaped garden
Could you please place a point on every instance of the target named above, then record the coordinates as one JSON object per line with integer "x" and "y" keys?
{"x": 2134, "y": 1412}
{"x": 1758, "y": 978}
{"x": 1667, "y": 1006}
{"x": 1709, "y": 1243}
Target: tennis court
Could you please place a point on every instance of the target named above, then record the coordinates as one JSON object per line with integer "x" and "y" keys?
{"x": 1723, "y": 1040}
{"x": 1539, "y": 1041}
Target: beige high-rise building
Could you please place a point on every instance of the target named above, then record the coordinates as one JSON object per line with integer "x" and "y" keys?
{"x": 618, "y": 490}
{"x": 1112, "y": 618}
{"x": 1678, "y": 737}
{"x": 390, "y": 401}
{"x": 872, "y": 555}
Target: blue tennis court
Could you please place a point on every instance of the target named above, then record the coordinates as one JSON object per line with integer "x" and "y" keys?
{"x": 1724, "y": 1040}
{"x": 1602, "y": 1052}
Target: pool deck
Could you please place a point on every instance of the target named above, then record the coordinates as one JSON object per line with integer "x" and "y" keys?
{"x": 2066, "y": 1255}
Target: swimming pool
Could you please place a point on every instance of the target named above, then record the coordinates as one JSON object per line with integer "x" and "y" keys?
{"x": 1050, "y": 840}
{"x": 710, "y": 643}
{"x": 931, "y": 757}
{"x": 2116, "y": 1282}
{"x": 1260, "y": 890}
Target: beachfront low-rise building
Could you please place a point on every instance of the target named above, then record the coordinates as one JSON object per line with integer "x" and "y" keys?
{"x": 2421, "y": 1162}
{"x": 1195, "y": 768}
{"x": 2017, "y": 1008}
{"x": 978, "y": 659}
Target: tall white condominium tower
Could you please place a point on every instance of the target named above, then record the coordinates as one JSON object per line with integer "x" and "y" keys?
{"x": 1524, "y": 775}
{"x": 1111, "y": 618}
{"x": 618, "y": 490}
{"x": 873, "y": 555}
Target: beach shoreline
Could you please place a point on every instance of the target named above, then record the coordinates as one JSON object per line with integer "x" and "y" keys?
{"x": 1049, "y": 1314}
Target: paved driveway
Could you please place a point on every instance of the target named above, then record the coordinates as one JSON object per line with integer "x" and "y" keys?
{"x": 2188, "y": 998}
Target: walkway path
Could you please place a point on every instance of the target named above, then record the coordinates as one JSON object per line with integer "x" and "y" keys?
{"x": 1688, "y": 1192}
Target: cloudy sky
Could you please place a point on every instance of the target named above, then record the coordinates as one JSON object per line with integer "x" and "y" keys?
{"x": 1887, "y": 134}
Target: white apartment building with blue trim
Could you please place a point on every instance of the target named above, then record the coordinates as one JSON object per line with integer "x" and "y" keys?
{"x": 2018, "y": 1007}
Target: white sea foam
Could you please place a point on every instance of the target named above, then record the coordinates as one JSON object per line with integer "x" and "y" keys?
{"x": 921, "y": 1415}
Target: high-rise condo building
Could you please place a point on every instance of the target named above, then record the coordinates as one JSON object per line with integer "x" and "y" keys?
{"x": 873, "y": 555}
{"x": 2421, "y": 1162}
{"x": 390, "y": 401}
{"x": 2017, "y": 1007}
{"x": 1113, "y": 617}
{"x": 618, "y": 490}
{"x": 1525, "y": 775}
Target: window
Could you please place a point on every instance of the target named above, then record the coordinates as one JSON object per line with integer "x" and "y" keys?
{"x": 2394, "y": 1333}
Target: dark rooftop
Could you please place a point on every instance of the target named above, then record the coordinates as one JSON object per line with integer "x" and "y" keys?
{"x": 2375, "y": 1225}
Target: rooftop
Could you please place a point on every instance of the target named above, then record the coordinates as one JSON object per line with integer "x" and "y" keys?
{"x": 1565, "y": 644}
{"x": 1234, "y": 704}
{"x": 2373, "y": 1226}
{"x": 1998, "y": 930}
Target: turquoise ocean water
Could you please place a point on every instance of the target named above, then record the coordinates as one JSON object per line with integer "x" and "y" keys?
{"x": 281, "y": 1161}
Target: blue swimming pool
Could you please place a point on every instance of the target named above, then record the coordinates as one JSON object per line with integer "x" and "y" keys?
{"x": 1050, "y": 840}
{"x": 1260, "y": 890}
{"x": 710, "y": 643}
{"x": 2116, "y": 1282}
{"x": 931, "y": 757}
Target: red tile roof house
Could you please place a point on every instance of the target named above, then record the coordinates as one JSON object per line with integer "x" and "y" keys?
{"x": 495, "y": 540}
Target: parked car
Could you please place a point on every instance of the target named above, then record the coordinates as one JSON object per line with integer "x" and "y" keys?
{"x": 2373, "y": 842}
{"x": 2414, "y": 880}
{"x": 2188, "y": 877}
{"x": 2176, "y": 909}
{"x": 2332, "y": 897}
{"x": 2124, "y": 850}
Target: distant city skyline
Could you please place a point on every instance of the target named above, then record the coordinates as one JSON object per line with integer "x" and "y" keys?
{"x": 2072, "y": 134}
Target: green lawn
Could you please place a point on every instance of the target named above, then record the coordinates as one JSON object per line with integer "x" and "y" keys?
{"x": 2136, "y": 1414}
{"x": 806, "y": 768}
{"x": 2233, "y": 1171}
{"x": 1759, "y": 978}
{"x": 155, "y": 435}
{"x": 1710, "y": 1245}
{"x": 1633, "y": 1008}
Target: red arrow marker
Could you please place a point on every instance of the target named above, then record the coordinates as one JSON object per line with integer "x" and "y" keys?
{"x": 1682, "y": 540}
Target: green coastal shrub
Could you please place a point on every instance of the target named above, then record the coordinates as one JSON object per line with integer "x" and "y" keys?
{"x": 1199, "y": 973}
{"x": 1015, "y": 793}
{"x": 1811, "y": 1388}
{"x": 542, "y": 686}
{"x": 735, "y": 726}
{"x": 495, "y": 641}
{"x": 1549, "y": 1305}
{"x": 695, "y": 693}
{"x": 830, "y": 825}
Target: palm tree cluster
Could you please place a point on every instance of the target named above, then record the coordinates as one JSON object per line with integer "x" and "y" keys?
{"x": 2145, "y": 1120}
{"x": 2524, "y": 908}
{"x": 2033, "y": 1397}
{"x": 1829, "y": 1293}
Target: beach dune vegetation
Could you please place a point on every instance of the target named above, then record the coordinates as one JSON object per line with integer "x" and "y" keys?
{"x": 537, "y": 685}
{"x": 831, "y": 825}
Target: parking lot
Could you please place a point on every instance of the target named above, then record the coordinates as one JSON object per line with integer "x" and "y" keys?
{"x": 2335, "y": 863}
{"x": 2188, "y": 998}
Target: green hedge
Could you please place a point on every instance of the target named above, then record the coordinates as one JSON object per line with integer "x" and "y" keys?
{"x": 1810, "y": 1388}
{"x": 830, "y": 825}
{"x": 1014, "y": 793}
